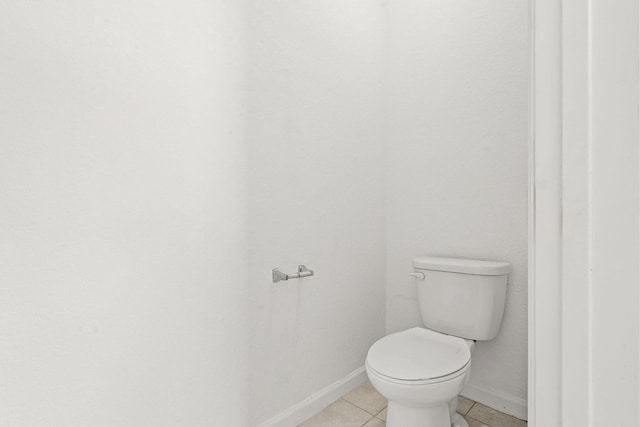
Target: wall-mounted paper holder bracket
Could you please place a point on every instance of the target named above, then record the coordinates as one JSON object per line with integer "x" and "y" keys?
{"x": 278, "y": 275}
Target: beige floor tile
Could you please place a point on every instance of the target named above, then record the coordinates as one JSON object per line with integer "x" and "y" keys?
{"x": 366, "y": 397}
{"x": 375, "y": 422}
{"x": 475, "y": 423}
{"x": 382, "y": 414}
{"x": 339, "y": 413}
{"x": 464, "y": 405}
{"x": 494, "y": 418}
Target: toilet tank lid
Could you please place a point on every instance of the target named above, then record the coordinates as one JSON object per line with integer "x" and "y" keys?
{"x": 460, "y": 265}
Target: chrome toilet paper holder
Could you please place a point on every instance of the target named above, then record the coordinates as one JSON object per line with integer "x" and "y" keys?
{"x": 278, "y": 275}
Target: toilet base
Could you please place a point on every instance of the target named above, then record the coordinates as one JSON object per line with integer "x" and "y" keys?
{"x": 407, "y": 416}
{"x": 434, "y": 416}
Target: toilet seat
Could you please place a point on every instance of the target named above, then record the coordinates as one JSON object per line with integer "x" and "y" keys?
{"x": 419, "y": 356}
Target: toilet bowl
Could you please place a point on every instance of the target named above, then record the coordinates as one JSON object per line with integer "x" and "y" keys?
{"x": 420, "y": 372}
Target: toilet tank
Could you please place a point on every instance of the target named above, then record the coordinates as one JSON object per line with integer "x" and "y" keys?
{"x": 461, "y": 297}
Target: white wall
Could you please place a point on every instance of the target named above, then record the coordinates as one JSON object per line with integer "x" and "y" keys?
{"x": 123, "y": 170}
{"x": 316, "y": 129}
{"x": 122, "y": 295}
{"x": 457, "y": 161}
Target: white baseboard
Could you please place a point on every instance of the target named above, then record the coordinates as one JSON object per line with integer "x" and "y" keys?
{"x": 317, "y": 402}
{"x": 502, "y": 402}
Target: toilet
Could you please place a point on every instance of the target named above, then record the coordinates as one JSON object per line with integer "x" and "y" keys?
{"x": 421, "y": 371}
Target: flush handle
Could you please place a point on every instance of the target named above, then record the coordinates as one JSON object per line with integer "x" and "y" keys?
{"x": 418, "y": 275}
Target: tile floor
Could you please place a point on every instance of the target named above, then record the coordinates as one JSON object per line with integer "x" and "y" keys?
{"x": 364, "y": 407}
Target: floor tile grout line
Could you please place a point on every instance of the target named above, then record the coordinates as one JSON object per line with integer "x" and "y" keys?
{"x": 353, "y": 404}
{"x": 509, "y": 419}
{"x": 362, "y": 409}
{"x": 470, "y": 408}
{"x": 380, "y": 411}
{"x": 365, "y": 410}
{"x": 367, "y": 422}
{"x": 476, "y": 420}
